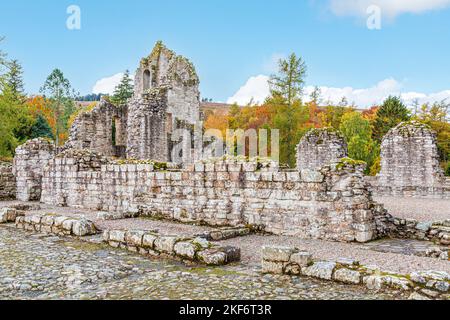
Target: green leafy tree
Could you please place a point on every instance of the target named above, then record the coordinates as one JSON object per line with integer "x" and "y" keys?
{"x": 389, "y": 115}
{"x": 123, "y": 91}
{"x": 289, "y": 81}
{"x": 41, "y": 129}
{"x": 358, "y": 135}
{"x": 59, "y": 91}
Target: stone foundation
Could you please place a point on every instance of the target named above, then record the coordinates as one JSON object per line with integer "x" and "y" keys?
{"x": 292, "y": 261}
{"x": 30, "y": 160}
{"x": 154, "y": 244}
{"x": 7, "y": 182}
{"x": 332, "y": 203}
{"x": 56, "y": 224}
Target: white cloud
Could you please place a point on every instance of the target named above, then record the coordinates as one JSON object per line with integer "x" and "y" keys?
{"x": 107, "y": 85}
{"x": 257, "y": 88}
{"x": 389, "y": 8}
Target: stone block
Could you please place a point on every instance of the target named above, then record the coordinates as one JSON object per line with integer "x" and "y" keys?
{"x": 347, "y": 276}
{"x": 309, "y": 175}
{"x": 83, "y": 228}
{"x": 165, "y": 244}
{"x": 212, "y": 257}
{"x": 134, "y": 238}
{"x": 303, "y": 258}
{"x": 148, "y": 240}
{"x": 185, "y": 249}
{"x": 272, "y": 267}
{"x": 321, "y": 269}
{"x": 117, "y": 235}
{"x": 277, "y": 253}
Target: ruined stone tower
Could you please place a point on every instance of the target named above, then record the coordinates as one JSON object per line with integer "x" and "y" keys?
{"x": 410, "y": 161}
{"x": 166, "y": 98}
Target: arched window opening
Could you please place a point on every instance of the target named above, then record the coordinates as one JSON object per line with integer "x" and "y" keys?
{"x": 147, "y": 80}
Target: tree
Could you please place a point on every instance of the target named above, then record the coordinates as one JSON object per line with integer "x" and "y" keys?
{"x": 41, "y": 128}
{"x": 290, "y": 79}
{"x": 60, "y": 95}
{"x": 123, "y": 91}
{"x": 358, "y": 134}
{"x": 389, "y": 115}
{"x": 316, "y": 96}
{"x": 13, "y": 81}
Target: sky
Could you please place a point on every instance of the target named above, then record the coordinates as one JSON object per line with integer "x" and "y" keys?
{"x": 364, "y": 50}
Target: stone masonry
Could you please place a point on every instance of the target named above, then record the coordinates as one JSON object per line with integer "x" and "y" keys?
{"x": 7, "y": 182}
{"x": 166, "y": 98}
{"x": 320, "y": 147}
{"x": 29, "y": 162}
{"x": 332, "y": 203}
{"x": 410, "y": 163}
{"x": 102, "y": 130}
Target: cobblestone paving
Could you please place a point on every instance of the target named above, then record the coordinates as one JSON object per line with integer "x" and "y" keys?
{"x": 43, "y": 267}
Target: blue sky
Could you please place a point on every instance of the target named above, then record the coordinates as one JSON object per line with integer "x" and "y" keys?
{"x": 234, "y": 44}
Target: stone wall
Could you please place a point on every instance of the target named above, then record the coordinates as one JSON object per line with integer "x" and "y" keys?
{"x": 7, "y": 182}
{"x": 410, "y": 163}
{"x": 155, "y": 244}
{"x": 102, "y": 130}
{"x": 292, "y": 261}
{"x": 332, "y": 203}
{"x": 29, "y": 162}
{"x": 320, "y": 147}
{"x": 56, "y": 224}
{"x": 147, "y": 127}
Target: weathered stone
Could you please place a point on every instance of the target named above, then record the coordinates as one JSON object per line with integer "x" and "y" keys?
{"x": 321, "y": 269}
{"x": 212, "y": 257}
{"x": 83, "y": 227}
{"x": 185, "y": 249}
{"x": 165, "y": 244}
{"x": 148, "y": 241}
{"x": 277, "y": 253}
{"x": 303, "y": 258}
{"x": 134, "y": 238}
{"x": 410, "y": 162}
{"x": 347, "y": 276}
{"x": 319, "y": 147}
{"x": 417, "y": 296}
{"x": 7, "y": 181}
{"x": 272, "y": 267}
{"x": 117, "y": 235}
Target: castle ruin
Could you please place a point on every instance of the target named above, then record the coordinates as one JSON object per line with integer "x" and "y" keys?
{"x": 166, "y": 98}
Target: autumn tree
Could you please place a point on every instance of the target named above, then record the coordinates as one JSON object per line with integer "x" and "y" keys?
{"x": 123, "y": 91}
{"x": 389, "y": 115}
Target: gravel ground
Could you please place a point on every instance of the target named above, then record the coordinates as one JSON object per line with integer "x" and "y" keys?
{"x": 418, "y": 209}
{"x": 325, "y": 250}
{"x": 34, "y": 266}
